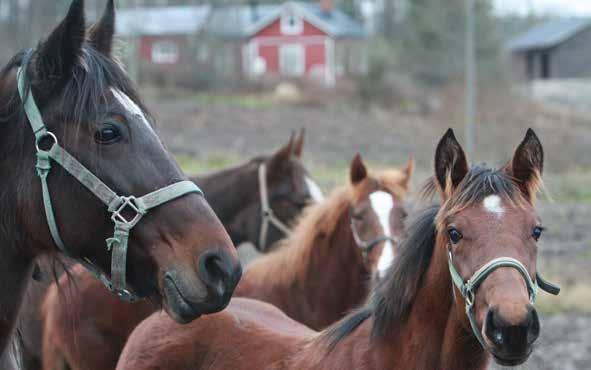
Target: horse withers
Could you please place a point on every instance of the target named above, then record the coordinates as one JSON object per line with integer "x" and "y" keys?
{"x": 460, "y": 292}
{"x": 77, "y": 137}
{"x": 85, "y": 327}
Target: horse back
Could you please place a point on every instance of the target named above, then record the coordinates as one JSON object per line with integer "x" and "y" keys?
{"x": 262, "y": 338}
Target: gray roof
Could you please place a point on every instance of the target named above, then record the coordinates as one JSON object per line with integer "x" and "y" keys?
{"x": 548, "y": 34}
{"x": 171, "y": 20}
{"x": 244, "y": 21}
{"x": 237, "y": 21}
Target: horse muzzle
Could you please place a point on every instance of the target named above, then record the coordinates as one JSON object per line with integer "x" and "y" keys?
{"x": 511, "y": 343}
{"x": 209, "y": 292}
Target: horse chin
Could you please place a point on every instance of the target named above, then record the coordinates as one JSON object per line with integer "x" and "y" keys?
{"x": 176, "y": 305}
{"x": 513, "y": 361}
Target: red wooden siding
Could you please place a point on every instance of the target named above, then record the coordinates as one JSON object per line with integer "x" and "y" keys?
{"x": 274, "y": 29}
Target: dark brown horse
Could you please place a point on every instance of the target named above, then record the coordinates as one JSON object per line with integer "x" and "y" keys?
{"x": 86, "y": 327}
{"x": 243, "y": 199}
{"x": 70, "y": 114}
{"x": 485, "y": 229}
{"x": 324, "y": 269}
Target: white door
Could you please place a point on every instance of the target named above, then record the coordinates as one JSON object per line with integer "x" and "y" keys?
{"x": 292, "y": 60}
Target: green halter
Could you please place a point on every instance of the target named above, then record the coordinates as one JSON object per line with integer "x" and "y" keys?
{"x": 468, "y": 288}
{"x": 116, "y": 204}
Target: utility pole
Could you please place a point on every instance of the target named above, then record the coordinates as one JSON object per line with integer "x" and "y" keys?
{"x": 470, "y": 78}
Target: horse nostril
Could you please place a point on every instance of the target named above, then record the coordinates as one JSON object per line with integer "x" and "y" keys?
{"x": 218, "y": 273}
{"x": 494, "y": 331}
{"x": 534, "y": 326}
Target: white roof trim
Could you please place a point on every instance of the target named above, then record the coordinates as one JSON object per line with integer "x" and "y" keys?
{"x": 297, "y": 9}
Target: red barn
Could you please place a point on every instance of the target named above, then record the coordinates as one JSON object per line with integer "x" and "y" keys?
{"x": 295, "y": 40}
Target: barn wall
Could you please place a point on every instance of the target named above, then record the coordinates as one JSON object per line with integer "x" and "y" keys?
{"x": 274, "y": 29}
{"x": 572, "y": 59}
{"x": 183, "y": 42}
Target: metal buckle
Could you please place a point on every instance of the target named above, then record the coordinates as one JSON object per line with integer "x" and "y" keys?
{"x": 48, "y": 134}
{"x": 128, "y": 203}
{"x": 469, "y": 298}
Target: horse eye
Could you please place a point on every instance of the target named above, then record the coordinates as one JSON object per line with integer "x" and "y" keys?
{"x": 537, "y": 233}
{"x": 454, "y": 235}
{"x": 108, "y": 134}
{"x": 358, "y": 216}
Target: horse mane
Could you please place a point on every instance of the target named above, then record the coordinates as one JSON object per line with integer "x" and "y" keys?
{"x": 393, "y": 297}
{"x": 83, "y": 94}
{"x": 317, "y": 221}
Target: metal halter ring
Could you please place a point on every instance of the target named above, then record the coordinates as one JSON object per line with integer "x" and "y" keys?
{"x": 45, "y": 135}
{"x": 127, "y": 203}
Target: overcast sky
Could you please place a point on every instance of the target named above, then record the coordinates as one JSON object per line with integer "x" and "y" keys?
{"x": 567, "y": 7}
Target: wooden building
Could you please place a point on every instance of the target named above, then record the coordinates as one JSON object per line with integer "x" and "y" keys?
{"x": 557, "y": 49}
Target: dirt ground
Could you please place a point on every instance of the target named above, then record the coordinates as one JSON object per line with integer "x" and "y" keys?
{"x": 225, "y": 130}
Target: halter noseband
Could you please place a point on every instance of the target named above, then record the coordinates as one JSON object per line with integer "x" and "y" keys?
{"x": 116, "y": 204}
{"x": 368, "y": 246}
{"x": 469, "y": 288}
{"x": 267, "y": 214}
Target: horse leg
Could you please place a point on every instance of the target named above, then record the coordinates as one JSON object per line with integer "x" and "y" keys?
{"x": 15, "y": 271}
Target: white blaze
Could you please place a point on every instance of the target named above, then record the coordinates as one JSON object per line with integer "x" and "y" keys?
{"x": 492, "y": 204}
{"x": 131, "y": 106}
{"x": 314, "y": 190}
{"x": 382, "y": 204}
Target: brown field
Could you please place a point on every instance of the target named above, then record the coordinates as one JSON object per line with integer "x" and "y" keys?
{"x": 212, "y": 131}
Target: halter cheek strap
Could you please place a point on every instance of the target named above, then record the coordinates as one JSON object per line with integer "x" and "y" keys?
{"x": 267, "y": 214}
{"x": 116, "y": 204}
{"x": 469, "y": 288}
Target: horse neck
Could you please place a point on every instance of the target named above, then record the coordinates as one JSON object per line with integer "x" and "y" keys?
{"x": 15, "y": 272}
{"x": 431, "y": 337}
{"x": 330, "y": 277}
{"x": 230, "y": 193}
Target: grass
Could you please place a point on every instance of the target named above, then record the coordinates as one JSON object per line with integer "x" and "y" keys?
{"x": 567, "y": 187}
{"x": 574, "y": 297}
{"x": 242, "y": 101}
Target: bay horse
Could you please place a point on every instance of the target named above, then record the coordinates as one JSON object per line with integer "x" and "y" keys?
{"x": 325, "y": 268}
{"x": 85, "y": 327}
{"x": 76, "y": 135}
{"x": 460, "y": 291}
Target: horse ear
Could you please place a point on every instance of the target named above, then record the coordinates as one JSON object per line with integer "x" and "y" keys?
{"x": 358, "y": 170}
{"x": 408, "y": 170}
{"x": 451, "y": 164}
{"x": 58, "y": 54}
{"x": 284, "y": 153}
{"x": 527, "y": 165}
{"x": 298, "y": 146}
{"x": 101, "y": 33}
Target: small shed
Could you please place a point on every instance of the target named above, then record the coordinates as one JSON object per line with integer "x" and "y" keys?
{"x": 556, "y": 49}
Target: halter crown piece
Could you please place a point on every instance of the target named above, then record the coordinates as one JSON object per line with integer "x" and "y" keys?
{"x": 468, "y": 288}
{"x": 116, "y": 204}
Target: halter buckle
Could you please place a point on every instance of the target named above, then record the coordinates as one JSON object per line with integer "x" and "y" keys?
{"x": 129, "y": 203}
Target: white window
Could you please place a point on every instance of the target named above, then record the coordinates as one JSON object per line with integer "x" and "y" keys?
{"x": 292, "y": 60}
{"x": 165, "y": 52}
{"x": 291, "y": 24}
